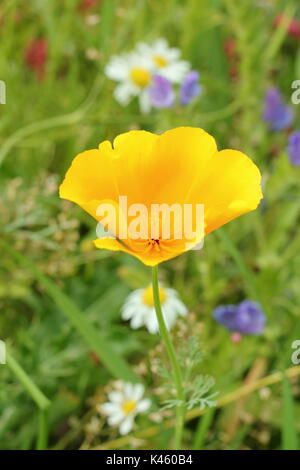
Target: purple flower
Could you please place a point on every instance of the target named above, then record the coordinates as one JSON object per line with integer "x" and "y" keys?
{"x": 226, "y": 315}
{"x": 246, "y": 318}
{"x": 276, "y": 113}
{"x": 190, "y": 88}
{"x": 294, "y": 148}
{"x": 250, "y": 320}
{"x": 161, "y": 92}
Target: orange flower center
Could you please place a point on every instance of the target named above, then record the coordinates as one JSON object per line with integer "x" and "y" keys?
{"x": 148, "y": 296}
{"x": 140, "y": 77}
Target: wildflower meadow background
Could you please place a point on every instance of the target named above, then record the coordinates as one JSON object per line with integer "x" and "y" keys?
{"x": 85, "y": 367}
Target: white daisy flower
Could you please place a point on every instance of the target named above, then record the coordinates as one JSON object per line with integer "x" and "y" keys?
{"x": 134, "y": 74}
{"x": 165, "y": 59}
{"x": 139, "y": 308}
{"x": 124, "y": 405}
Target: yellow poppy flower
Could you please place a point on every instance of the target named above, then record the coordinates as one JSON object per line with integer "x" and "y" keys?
{"x": 181, "y": 166}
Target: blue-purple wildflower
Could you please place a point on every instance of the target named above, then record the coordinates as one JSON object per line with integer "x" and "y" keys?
{"x": 246, "y": 318}
{"x": 293, "y": 148}
{"x": 161, "y": 92}
{"x": 226, "y": 315}
{"x": 276, "y": 113}
{"x": 190, "y": 88}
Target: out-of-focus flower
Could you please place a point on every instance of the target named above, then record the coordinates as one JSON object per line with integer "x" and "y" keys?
{"x": 93, "y": 54}
{"x": 227, "y": 182}
{"x": 232, "y": 56}
{"x": 293, "y": 26}
{"x": 35, "y": 56}
{"x": 85, "y": 5}
{"x": 165, "y": 60}
{"x": 250, "y": 319}
{"x": 294, "y": 148}
{"x": 134, "y": 74}
{"x": 139, "y": 308}
{"x": 230, "y": 48}
{"x": 236, "y": 337}
{"x": 226, "y": 315}
{"x": 92, "y": 20}
{"x": 247, "y": 318}
{"x": 190, "y": 88}
{"x": 161, "y": 92}
{"x": 124, "y": 405}
{"x": 276, "y": 113}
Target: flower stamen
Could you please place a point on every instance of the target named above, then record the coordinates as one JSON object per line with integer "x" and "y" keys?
{"x": 160, "y": 61}
{"x": 128, "y": 406}
{"x": 140, "y": 77}
{"x": 148, "y": 296}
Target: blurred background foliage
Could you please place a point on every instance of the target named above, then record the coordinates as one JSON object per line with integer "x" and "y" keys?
{"x": 49, "y": 119}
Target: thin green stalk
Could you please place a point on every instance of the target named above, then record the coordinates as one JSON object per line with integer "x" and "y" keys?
{"x": 36, "y": 394}
{"x": 42, "y": 441}
{"x": 203, "y": 425}
{"x": 180, "y": 409}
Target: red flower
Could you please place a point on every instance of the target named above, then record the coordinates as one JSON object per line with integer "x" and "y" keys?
{"x": 293, "y": 27}
{"x": 232, "y": 56}
{"x": 230, "y": 48}
{"x": 87, "y": 4}
{"x": 35, "y": 56}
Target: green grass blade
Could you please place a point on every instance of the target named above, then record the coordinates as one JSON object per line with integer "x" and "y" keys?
{"x": 42, "y": 441}
{"x": 289, "y": 436}
{"x": 202, "y": 428}
{"x": 33, "y": 391}
{"x": 116, "y": 365}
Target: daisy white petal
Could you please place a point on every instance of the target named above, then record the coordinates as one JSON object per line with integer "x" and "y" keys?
{"x": 115, "y": 418}
{"x": 138, "y": 392}
{"x": 175, "y": 72}
{"x": 128, "y": 390}
{"x": 137, "y": 321}
{"x": 109, "y": 408}
{"x": 126, "y": 425}
{"x": 124, "y": 92}
{"x": 115, "y": 396}
{"x": 144, "y": 405}
{"x": 145, "y": 103}
{"x": 116, "y": 69}
{"x": 151, "y": 322}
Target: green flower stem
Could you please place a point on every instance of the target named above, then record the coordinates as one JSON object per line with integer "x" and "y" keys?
{"x": 180, "y": 409}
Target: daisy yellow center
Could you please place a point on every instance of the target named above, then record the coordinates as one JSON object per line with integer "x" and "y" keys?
{"x": 140, "y": 77}
{"x": 148, "y": 296}
{"x": 128, "y": 406}
{"x": 160, "y": 61}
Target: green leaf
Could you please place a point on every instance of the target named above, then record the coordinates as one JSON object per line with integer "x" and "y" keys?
{"x": 116, "y": 365}
{"x": 289, "y": 436}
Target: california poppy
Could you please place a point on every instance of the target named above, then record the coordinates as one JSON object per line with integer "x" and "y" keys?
{"x": 181, "y": 166}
